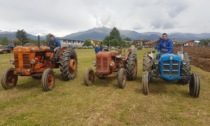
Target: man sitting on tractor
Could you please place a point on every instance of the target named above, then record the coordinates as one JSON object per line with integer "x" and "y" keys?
{"x": 55, "y": 46}
{"x": 165, "y": 46}
{"x": 97, "y": 49}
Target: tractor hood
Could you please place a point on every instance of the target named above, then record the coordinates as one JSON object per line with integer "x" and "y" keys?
{"x": 28, "y": 49}
{"x": 106, "y": 54}
{"x": 170, "y": 65}
{"x": 103, "y": 60}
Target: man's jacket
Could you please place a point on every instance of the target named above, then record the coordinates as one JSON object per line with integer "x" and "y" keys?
{"x": 165, "y": 46}
{"x": 54, "y": 44}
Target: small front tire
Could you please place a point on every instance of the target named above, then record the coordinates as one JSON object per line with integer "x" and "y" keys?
{"x": 145, "y": 82}
{"x": 9, "y": 79}
{"x": 194, "y": 85}
{"x": 89, "y": 77}
{"x": 48, "y": 80}
{"x": 122, "y": 77}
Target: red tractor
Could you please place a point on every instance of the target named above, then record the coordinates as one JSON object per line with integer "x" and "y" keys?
{"x": 113, "y": 64}
{"x": 38, "y": 62}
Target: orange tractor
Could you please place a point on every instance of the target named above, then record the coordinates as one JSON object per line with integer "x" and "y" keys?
{"x": 113, "y": 64}
{"x": 38, "y": 62}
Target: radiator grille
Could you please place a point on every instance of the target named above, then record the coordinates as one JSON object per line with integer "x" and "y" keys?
{"x": 26, "y": 61}
{"x": 102, "y": 63}
{"x": 105, "y": 63}
{"x": 98, "y": 63}
{"x": 170, "y": 67}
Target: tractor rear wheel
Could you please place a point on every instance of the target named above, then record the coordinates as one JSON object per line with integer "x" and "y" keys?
{"x": 194, "y": 85}
{"x": 131, "y": 67}
{"x": 121, "y": 78}
{"x": 68, "y": 66}
{"x": 9, "y": 79}
{"x": 185, "y": 69}
{"x": 89, "y": 77}
{"x": 147, "y": 63}
{"x": 48, "y": 80}
{"x": 145, "y": 82}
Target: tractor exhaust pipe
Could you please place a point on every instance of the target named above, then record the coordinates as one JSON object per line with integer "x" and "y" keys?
{"x": 38, "y": 41}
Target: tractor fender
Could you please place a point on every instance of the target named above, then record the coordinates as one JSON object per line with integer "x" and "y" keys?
{"x": 63, "y": 49}
{"x": 151, "y": 55}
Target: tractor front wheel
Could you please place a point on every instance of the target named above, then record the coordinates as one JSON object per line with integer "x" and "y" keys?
{"x": 122, "y": 77}
{"x": 89, "y": 77}
{"x": 194, "y": 85}
{"x": 48, "y": 80}
{"x": 145, "y": 82}
{"x": 9, "y": 79}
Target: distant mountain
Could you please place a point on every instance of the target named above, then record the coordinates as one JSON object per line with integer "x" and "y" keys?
{"x": 95, "y": 33}
{"x": 189, "y": 36}
{"x": 101, "y": 32}
{"x": 12, "y": 35}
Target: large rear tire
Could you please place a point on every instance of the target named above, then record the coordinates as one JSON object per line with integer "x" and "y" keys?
{"x": 9, "y": 79}
{"x": 48, "y": 80}
{"x": 89, "y": 77}
{"x": 147, "y": 63}
{"x": 194, "y": 85}
{"x": 145, "y": 82}
{"x": 69, "y": 63}
{"x": 131, "y": 67}
{"x": 121, "y": 78}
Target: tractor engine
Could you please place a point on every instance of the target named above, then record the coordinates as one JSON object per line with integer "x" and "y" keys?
{"x": 30, "y": 60}
{"x": 170, "y": 66}
{"x": 106, "y": 63}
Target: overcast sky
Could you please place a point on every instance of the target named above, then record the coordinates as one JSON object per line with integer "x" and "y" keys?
{"x": 62, "y": 17}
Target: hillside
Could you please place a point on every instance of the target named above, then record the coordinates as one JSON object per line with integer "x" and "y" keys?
{"x": 100, "y": 33}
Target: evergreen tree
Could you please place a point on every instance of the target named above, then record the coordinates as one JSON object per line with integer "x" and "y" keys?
{"x": 22, "y": 36}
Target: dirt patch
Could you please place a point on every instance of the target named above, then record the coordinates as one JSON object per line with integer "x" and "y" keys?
{"x": 200, "y": 56}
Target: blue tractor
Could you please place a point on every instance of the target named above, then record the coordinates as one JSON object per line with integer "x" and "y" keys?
{"x": 170, "y": 67}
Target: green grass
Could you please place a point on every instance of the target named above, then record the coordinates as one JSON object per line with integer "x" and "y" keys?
{"x": 73, "y": 103}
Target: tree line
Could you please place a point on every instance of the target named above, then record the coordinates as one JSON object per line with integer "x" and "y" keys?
{"x": 204, "y": 42}
{"x": 113, "y": 39}
{"x": 21, "y": 39}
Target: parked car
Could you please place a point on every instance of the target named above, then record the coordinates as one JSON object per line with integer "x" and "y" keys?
{"x": 90, "y": 47}
{"x": 113, "y": 48}
{"x": 85, "y": 47}
{"x": 4, "y": 50}
{"x": 139, "y": 47}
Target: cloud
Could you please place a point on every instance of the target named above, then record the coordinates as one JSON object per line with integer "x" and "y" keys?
{"x": 63, "y": 17}
{"x": 163, "y": 24}
{"x": 177, "y": 8}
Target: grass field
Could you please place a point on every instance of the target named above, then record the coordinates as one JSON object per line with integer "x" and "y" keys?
{"x": 73, "y": 103}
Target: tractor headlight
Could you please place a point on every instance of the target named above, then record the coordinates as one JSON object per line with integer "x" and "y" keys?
{"x": 94, "y": 63}
{"x": 33, "y": 61}
{"x": 111, "y": 63}
{"x": 184, "y": 62}
{"x": 156, "y": 62}
{"x": 12, "y": 61}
